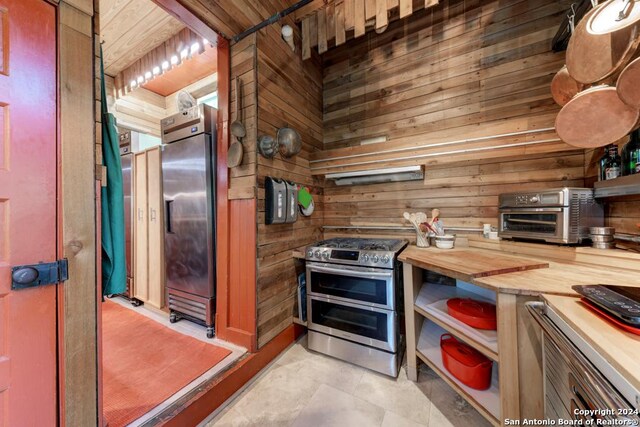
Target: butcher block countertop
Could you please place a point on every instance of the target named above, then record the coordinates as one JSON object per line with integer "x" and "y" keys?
{"x": 619, "y": 348}
{"x": 520, "y": 274}
{"x": 466, "y": 263}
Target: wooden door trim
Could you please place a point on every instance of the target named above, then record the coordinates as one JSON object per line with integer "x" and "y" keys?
{"x": 78, "y": 231}
{"x": 235, "y": 313}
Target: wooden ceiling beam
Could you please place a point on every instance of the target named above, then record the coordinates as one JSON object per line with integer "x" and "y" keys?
{"x": 199, "y": 19}
{"x": 309, "y": 9}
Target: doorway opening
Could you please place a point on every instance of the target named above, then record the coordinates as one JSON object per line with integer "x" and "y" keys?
{"x": 157, "y": 329}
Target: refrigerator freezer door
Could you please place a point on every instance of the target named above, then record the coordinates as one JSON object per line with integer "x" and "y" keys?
{"x": 189, "y": 195}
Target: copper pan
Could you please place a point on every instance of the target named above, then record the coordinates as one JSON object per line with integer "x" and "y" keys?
{"x": 602, "y": 45}
{"x": 564, "y": 87}
{"x": 596, "y": 117}
{"x": 628, "y": 85}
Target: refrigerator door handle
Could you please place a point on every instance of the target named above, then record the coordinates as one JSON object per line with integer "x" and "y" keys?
{"x": 168, "y": 204}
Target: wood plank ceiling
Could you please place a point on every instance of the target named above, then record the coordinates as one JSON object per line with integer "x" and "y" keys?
{"x": 232, "y": 17}
{"x": 130, "y": 29}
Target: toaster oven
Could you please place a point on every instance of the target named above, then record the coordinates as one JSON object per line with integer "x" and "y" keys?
{"x": 557, "y": 216}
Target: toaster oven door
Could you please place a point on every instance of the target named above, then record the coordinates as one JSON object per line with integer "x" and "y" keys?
{"x": 548, "y": 224}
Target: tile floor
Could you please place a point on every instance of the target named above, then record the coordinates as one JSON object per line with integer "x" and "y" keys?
{"x": 302, "y": 388}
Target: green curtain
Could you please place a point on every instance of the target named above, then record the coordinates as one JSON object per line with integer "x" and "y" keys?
{"x": 114, "y": 268}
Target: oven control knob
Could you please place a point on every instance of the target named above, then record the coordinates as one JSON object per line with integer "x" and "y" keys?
{"x": 310, "y": 254}
{"x": 386, "y": 259}
{"x": 534, "y": 199}
{"x": 317, "y": 253}
{"x": 375, "y": 259}
{"x": 325, "y": 255}
{"x": 365, "y": 258}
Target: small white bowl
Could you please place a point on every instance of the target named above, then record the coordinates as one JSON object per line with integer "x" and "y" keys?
{"x": 445, "y": 242}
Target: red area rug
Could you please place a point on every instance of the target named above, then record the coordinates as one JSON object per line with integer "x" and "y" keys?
{"x": 145, "y": 363}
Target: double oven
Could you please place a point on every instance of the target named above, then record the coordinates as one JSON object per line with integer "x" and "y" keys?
{"x": 354, "y": 305}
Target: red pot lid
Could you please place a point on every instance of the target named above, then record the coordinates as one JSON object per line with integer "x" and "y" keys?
{"x": 462, "y": 352}
{"x": 473, "y": 308}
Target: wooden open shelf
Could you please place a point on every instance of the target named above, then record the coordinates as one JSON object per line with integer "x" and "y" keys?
{"x": 622, "y": 186}
{"x": 487, "y": 402}
{"x": 427, "y": 305}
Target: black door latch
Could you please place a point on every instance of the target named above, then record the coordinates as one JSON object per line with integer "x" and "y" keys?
{"x": 31, "y": 276}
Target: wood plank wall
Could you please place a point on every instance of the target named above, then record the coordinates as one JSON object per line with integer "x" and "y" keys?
{"x": 290, "y": 94}
{"x": 464, "y": 69}
{"x": 242, "y": 179}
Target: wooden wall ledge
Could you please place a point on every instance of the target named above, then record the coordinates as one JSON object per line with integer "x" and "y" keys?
{"x": 242, "y": 193}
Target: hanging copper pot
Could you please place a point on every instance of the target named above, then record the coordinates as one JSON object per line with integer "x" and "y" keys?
{"x": 564, "y": 87}
{"x": 604, "y": 41}
{"x": 628, "y": 85}
{"x": 595, "y": 117}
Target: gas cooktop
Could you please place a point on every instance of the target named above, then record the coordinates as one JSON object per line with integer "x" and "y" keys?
{"x": 357, "y": 251}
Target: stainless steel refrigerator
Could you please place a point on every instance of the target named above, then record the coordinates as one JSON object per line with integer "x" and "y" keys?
{"x": 189, "y": 186}
{"x": 126, "y": 160}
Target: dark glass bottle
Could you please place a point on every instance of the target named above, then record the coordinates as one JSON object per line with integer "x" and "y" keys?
{"x": 632, "y": 154}
{"x": 602, "y": 164}
{"x": 613, "y": 163}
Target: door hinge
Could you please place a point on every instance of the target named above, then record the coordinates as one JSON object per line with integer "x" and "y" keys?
{"x": 31, "y": 276}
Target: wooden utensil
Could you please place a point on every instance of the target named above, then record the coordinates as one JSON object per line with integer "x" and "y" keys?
{"x": 564, "y": 87}
{"x": 628, "y": 85}
{"x": 600, "y": 46}
{"x": 237, "y": 128}
{"x": 435, "y": 213}
{"x": 595, "y": 117}
{"x": 234, "y": 156}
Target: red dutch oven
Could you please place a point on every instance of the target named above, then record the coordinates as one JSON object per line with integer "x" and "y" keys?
{"x": 478, "y": 314}
{"x": 466, "y": 363}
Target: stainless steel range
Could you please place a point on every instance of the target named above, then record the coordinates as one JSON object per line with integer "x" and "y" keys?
{"x": 354, "y": 292}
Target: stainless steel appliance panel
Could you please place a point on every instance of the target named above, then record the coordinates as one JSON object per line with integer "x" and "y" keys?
{"x": 359, "y": 285}
{"x": 127, "y": 187}
{"x": 191, "y": 122}
{"x": 557, "y": 216}
{"x": 189, "y": 194}
{"x": 579, "y": 379}
{"x": 368, "y": 357}
{"x": 357, "y": 323}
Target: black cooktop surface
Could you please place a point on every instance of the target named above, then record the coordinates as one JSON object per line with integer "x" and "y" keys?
{"x": 620, "y": 301}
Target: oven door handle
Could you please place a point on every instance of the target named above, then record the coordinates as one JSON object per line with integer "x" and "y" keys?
{"x": 530, "y": 221}
{"x": 600, "y": 387}
{"x": 529, "y": 210}
{"x": 345, "y": 271}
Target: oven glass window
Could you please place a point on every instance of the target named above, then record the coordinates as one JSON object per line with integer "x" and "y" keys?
{"x": 356, "y": 321}
{"x": 545, "y": 223}
{"x": 355, "y": 288}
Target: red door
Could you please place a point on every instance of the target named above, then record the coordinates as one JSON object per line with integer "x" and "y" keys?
{"x": 28, "y": 211}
